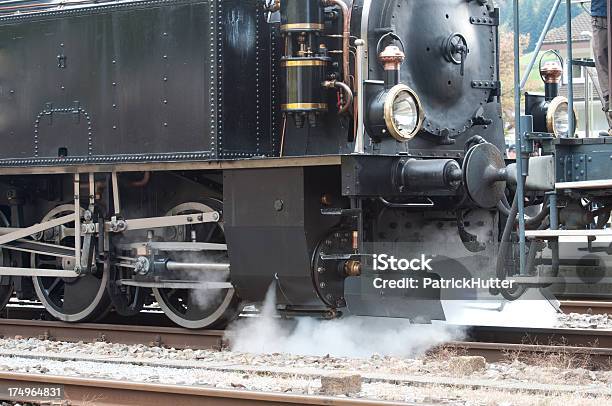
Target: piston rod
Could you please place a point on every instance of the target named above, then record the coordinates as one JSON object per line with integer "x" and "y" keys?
{"x": 174, "y": 266}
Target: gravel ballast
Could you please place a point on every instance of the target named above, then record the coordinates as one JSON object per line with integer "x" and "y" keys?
{"x": 433, "y": 378}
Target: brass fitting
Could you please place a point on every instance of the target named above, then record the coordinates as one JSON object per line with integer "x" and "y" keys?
{"x": 352, "y": 268}
{"x": 551, "y": 72}
{"x": 391, "y": 58}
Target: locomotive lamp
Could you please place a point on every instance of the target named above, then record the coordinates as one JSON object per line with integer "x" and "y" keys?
{"x": 549, "y": 111}
{"x": 396, "y": 110}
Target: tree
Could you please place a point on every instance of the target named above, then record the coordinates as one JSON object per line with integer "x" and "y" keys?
{"x": 506, "y": 72}
{"x": 533, "y": 15}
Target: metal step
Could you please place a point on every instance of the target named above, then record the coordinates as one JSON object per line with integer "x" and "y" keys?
{"x": 548, "y": 234}
{"x": 587, "y": 184}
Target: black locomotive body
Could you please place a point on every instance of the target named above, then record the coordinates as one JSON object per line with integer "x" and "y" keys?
{"x": 214, "y": 147}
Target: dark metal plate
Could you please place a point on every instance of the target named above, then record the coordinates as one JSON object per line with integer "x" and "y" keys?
{"x": 481, "y": 163}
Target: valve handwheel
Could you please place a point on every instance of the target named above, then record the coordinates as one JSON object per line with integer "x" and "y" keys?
{"x": 456, "y": 50}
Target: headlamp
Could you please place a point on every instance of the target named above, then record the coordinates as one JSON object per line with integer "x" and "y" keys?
{"x": 550, "y": 111}
{"x": 403, "y": 113}
{"x": 557, "y": 118}
{"x": 397, "y": 112}
{"x": 549, "y": 116}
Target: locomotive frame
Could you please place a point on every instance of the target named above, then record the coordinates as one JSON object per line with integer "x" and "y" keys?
{"x": 261, "y": 180}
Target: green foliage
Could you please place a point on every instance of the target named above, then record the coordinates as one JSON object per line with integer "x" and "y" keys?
{"x": 533, "y": 15}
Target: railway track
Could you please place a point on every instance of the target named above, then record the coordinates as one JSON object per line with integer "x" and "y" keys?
{"x": 586, "y": 306}
{"x": 494, "y": 343}
{"x": 123, "y": 334}
{"x": 109, "y": 392}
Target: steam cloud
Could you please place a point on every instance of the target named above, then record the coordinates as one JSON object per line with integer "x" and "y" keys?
{"x": 356, "y": 337}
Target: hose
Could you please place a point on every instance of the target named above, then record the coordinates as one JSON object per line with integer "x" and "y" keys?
{"x": 530, "y": 222}
{"x": 500, "y": 271}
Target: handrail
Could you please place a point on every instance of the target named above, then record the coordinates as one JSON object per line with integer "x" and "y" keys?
{"x": 549, "y": 20}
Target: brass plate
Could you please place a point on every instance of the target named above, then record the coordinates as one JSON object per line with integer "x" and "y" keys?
{"x": 302, "y": 26}
{"x": 304, "y": 106}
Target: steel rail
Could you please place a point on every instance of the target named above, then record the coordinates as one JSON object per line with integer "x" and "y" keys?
{"x": 497, "y": 352}
{"x": 111, "y": 392}
{"x": 492, "y": 352}
{"x": 124, "y": 334}
{"x": 586, "y": 306}
{"x": 563, "y": 337}
{"x": 588, "y": 339}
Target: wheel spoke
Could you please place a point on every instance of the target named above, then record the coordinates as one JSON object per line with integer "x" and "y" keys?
{"x": 182, "y": 305}
{"x": 54, "y": 285}
{"x": 210, "y": 233}
{"x": 72, "y": 299}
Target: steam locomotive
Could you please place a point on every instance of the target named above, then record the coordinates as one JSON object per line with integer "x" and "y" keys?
{"x": 194, "y": 152}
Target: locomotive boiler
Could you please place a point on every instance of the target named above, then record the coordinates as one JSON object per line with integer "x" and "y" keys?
{"x": 193, "y": 152}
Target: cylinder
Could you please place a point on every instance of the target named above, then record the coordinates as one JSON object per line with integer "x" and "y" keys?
{"x": 303, "y": 91}
{"x": 428, "y": 175}
{"x": 301, "y": 16}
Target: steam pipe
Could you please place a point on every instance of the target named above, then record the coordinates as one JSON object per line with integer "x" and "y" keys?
{"x": 360, "y": 135}
{"x": 346, "y": 36}
{"x": 347, "y": 91}
{"x": 146, "y": 177}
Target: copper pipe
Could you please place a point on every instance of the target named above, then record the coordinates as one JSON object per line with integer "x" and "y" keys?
{"x": 346, "y": 35}
{"x": 347, "y": 90}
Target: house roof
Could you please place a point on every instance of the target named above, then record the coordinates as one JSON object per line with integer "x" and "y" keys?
{"x": 580, "y": 24}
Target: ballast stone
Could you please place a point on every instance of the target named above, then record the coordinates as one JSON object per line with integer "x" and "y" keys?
{"x": 467, "y": 365}
{"x": 340, "y": 384}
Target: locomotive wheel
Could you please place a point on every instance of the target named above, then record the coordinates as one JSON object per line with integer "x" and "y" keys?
{"x": 127, "y": 301}
{"x": 198, "y": 308}
{"x": 78, "y": 299}
{"x": 6, "y": 291}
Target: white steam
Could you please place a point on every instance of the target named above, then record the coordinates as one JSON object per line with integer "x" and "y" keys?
{"x": 203, "y": 298}
{"x": 356, "y": 337}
